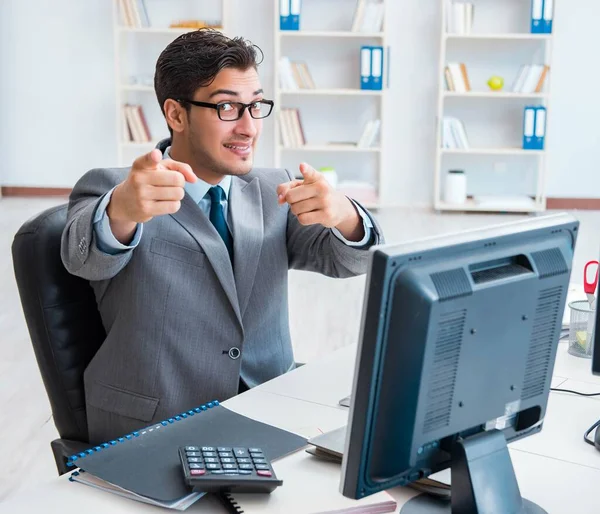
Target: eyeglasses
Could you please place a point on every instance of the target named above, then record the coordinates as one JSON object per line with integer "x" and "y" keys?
{"x": 233, "y": 111}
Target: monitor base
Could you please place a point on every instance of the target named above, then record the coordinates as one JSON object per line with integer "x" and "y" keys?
{"x": 483, "y": 481}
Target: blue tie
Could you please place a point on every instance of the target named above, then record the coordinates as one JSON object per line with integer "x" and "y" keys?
{"x": 217, "y": 217}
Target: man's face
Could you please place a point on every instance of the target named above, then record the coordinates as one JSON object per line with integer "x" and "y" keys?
{"x": 225, "y": 147}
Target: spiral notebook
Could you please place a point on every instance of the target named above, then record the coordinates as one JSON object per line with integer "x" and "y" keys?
{"x": 144, "y": 465}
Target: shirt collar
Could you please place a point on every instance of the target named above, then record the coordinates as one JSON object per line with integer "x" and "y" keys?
{"x": 198, "y": 189}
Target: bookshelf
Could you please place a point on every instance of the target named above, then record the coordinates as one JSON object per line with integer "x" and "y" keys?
{"x": 334, "y": 112}
{"x": 141, "y": 30}
{"x": 497, "y": 41}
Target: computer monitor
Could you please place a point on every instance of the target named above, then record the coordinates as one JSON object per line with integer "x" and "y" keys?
{"x": 458, "y": 341}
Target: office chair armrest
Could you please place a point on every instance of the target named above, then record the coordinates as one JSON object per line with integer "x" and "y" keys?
{"x": 63, "y": 449}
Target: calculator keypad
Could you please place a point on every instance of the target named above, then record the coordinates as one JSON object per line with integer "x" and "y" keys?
{"x": 226, "y": 461}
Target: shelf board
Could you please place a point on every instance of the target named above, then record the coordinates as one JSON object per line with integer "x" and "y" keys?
{"x": 335, "y": 33}
{"x": 137, "y": 87}
{"x": 490, "y": 151}
{"x": 328, "y": 148}
{"x": 157, "y": 30}
{"x": 331, "y": 92}
{"x": 492, "y": 94}
{"x": 511, "y": 36}
{"x": 471, "y": 205}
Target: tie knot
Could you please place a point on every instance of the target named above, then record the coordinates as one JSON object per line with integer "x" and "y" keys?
{"x": 216, "y": 194}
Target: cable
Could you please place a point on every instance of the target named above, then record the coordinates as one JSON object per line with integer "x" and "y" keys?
{"x": 589, "y": 430}
{"x": 573, "y": 392}
{"x": 595, "y": 425}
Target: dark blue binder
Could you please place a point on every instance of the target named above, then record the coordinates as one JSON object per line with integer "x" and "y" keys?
{"x": 146, "y": 462}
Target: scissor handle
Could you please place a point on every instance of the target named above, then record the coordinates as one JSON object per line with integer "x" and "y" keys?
{"x": 590, "y": 287}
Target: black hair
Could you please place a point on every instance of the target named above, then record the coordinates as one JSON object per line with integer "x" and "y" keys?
{"x": 195, "y": 58}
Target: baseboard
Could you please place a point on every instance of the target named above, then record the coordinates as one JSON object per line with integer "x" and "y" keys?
{"x": 582, "y": 204}
{"x": 35, "y": 191}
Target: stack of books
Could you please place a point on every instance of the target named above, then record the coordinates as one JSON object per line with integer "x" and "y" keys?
{"x": 290, "y": 128}
{"x": 531, "y": 78}
{"x": 370, "y": 134}
{"x": 294, "y": 75}
{"x": 457, "y": 78}
{"x": 134, "y": 125}
{"x": 459, "y": 18}
{"x": 134, "y": 13}
{"x": 368, "y": 16}
{"x": 454, "y": 134}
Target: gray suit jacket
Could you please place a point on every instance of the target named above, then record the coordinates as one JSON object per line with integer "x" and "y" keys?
{"x": 174, "y": 310}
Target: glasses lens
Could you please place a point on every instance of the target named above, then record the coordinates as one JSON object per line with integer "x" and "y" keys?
{"x": 260, "y": 109}
{"x": 229, "y": 111}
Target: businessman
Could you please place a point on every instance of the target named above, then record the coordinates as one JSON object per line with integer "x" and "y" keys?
{"x": 188, "y": 250}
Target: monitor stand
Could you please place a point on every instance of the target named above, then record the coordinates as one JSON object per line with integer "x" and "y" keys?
{"x": 483, "y": 481}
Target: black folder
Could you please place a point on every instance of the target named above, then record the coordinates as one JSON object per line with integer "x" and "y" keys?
{"x": 146, "y": 462}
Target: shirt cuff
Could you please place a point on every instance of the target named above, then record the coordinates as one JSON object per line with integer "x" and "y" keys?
{"x": 105, "y": 239}
{"x": 367, "y": 225}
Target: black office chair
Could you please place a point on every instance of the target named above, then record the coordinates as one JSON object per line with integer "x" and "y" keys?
{"x": 64, "y": 325}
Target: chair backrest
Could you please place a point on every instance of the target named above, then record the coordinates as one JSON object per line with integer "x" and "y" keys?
{"x": 61, "y": 315}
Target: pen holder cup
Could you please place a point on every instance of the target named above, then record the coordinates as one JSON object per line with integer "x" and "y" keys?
{"x": 581, "y": 329}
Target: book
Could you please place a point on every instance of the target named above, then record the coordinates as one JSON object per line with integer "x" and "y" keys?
{"x": 319, "y": 492}
{"x": 459, "y": 18}
{"x": 531, "y": 78}
{"x": 368, "y": 16}
{"x": 144, "y": 465}
{"x": 454, "y": 134}
{"x": 459, "y": 77}
{"x": 134, "y": 13}
{"x": 291, "y": 129}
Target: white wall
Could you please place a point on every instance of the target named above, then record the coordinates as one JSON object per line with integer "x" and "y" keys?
{"x": 57, "y": 113}
{"x": 573, "y": 128}
{"x": 56, "y": 90}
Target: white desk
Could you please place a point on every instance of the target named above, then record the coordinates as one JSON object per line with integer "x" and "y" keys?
{"x": 555, "y": 468}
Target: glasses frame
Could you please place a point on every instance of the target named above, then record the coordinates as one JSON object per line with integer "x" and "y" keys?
{"x": 242, "y": 109}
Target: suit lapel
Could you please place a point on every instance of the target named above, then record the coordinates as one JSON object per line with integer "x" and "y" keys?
{"x": 245, "y": 208}
{"x": 192, "y": 219}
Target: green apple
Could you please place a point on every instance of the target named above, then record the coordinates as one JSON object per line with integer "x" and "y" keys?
{"x": 496, "y": 83}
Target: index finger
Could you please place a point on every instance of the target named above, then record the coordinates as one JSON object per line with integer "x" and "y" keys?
{"x": 282, "y": 189}
{"x": 182, "y": 167}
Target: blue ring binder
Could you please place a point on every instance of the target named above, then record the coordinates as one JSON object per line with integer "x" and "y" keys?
{"x": 71, "y": 460}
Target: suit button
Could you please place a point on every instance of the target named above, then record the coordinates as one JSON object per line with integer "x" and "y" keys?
{"x": 234, "y": 353}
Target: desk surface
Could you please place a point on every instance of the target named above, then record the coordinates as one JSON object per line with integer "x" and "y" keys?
{"x": 555, "y": 468}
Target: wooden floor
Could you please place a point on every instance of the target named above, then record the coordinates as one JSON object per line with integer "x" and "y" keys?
{"x": 324, "y": 315}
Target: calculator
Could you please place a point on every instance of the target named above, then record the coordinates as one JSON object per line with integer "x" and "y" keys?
{"x": 227, "y": 469}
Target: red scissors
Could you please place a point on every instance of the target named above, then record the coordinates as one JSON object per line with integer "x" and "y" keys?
{"x": 590, "y": 287}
